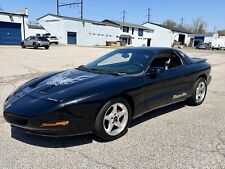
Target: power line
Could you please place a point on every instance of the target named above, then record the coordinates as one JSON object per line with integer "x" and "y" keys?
{"x": 80, "y": 3}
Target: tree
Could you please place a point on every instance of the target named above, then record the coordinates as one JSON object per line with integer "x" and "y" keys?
{"x": 221, "y": 32}
{"x": 199, "y": 26}
{"x": 170, "y": 24}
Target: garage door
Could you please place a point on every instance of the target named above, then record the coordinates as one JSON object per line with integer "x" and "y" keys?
{"x": 10, "y": 33}
{"x": 72, "y": 37}
{"x": 199, "y": 39}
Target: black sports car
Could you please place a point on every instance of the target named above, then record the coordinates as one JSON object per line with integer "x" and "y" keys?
{"x": 105, "y": 95}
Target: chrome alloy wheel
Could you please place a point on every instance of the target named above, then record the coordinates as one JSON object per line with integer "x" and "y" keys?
{"x": 115, "y": 119}
{"x": 200, "y": 92}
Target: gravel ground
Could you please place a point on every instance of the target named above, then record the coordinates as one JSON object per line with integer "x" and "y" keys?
{"x": 176, "y": 136}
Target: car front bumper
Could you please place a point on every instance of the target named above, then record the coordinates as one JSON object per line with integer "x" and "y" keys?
{"x": 34, "y": 125}
{"x": 40, "y": 44}
{"x": 209, "y": 79}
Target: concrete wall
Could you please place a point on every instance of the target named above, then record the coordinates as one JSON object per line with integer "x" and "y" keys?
{"x": 161, "y": 37}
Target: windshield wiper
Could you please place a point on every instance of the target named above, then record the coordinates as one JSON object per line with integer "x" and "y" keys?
{"x": 82, "y": 67}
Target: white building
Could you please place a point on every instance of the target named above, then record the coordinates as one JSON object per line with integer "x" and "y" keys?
{"x": 162, "y": 36}
{"x": 35, "y": 29}
{"x": 76, "y": 31}
{"x": 195, "y": 39}
{"x": 181, "y": 36}
{"x": 165, "y": 37}
{"x": 218, "y": 42}
{"x": 132, "y": 34}
{"x": 14, "y": 27}
{"x": 71, "y": 30}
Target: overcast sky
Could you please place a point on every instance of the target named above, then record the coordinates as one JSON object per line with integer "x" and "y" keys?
{"x": 211, "y": 11}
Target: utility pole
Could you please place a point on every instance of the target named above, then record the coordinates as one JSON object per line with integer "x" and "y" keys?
{"x": 214, "y": 29}
{"x": 81, "y": 9}
{"x": 182, "y": 22}
{"x": 124, "y": 15}
{"x": 149, "y": 14}
{"x": 1, "y": 8}
{"x": 57, "y": 7}
{"x": 80, "y": 3}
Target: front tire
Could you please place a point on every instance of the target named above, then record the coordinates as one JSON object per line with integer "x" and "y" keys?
{"x": 113, "y": 120}
{"x": 35, "y": 45}
{"x": 199, "y": 93}
{"x": 23, "y": 45}
{"x": 46, "y": 47}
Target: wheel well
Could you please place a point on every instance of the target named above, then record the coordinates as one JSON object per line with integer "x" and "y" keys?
{"x": 203, "y": 76}
{"x": 130, "y": 101}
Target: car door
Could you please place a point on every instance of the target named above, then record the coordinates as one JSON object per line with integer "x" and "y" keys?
{"x": 170, "y": 85}
{"x": 33, "y": 40}
{"x": 26, "y": 41}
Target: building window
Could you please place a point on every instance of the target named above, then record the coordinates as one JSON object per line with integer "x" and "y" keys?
{"x": 132, "y": 31}
{"x": 140, "y": 32}
{"x": 126, "y": 29}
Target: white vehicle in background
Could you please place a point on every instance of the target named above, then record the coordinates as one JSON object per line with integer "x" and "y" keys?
{"x": 218, "y": 44}
{"x": 53, "y": 40}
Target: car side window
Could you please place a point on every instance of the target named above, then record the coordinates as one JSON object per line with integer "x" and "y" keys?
{"x": 167, "y": 60}
{"x": 175, "y": 61}
{"x": 161, "y": 60}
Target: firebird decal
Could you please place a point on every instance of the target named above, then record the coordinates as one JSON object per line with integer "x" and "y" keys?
{"x": 65, "y": 78}
{"x": 179, "y": 95}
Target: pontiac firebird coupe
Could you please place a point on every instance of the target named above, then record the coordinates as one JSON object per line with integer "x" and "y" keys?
{"x": 104, "y": 96}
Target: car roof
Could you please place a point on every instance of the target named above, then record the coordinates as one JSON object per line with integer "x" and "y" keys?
{"x": 150, "y": 49}
{"x": 157, "y": 50}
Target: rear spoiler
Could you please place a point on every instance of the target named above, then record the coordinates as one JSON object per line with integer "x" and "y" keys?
{"x": 197, "y": 60}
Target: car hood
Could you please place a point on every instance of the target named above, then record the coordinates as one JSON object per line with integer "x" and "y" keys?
{"x": 64, "y": 85}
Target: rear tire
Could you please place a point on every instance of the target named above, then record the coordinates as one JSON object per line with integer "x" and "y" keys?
{"x": 199, "y": 93}
{"x": 46, "y": 47}
{"x": 113, "y": 120}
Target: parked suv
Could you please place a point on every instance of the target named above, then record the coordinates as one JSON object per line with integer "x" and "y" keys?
{"x": 53, "y": 40}
{"x": 35, "y": 42}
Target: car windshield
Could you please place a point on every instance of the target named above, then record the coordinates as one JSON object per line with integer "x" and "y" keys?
{"x": 42, "y": 39}
{"x": 122, "y": 61}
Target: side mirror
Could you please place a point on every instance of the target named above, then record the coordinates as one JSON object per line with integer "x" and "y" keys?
{"x": 154, "y": 71}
